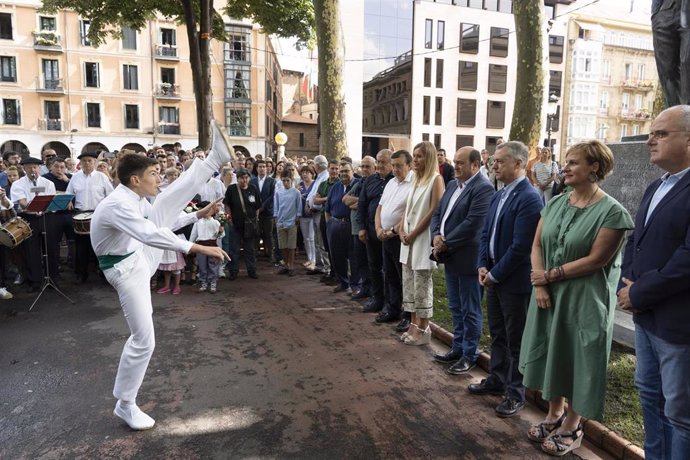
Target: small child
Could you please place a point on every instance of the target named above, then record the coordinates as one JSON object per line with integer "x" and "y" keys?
{"x": 287, "y": 209}
{"x": 173, "y": 262}
{"x": 206, "y": 232}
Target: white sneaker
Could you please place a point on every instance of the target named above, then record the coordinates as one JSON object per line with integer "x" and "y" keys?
{"x": 134, "y": 417}
{"x": 220, "y": 153}
{"x": 5, "y": 294}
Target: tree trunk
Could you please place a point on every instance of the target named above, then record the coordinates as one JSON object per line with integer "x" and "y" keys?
{"x": 529, "y": 87}
{"x": 199, "y": 60}
{"x": 333, "y": 141}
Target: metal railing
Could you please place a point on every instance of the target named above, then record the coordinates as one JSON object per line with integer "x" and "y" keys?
{"x": 50, "y": 84}
{"x": 166, "y": 51}
{"x": 50, "y": 124}
{"x": 167, "y": 90}
{"x": 47, "y": 39}
{"x": 168, "y": 128}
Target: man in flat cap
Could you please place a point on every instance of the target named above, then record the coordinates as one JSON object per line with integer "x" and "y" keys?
{"x": 23, "y": 191}
{"x": 89, "y": 188}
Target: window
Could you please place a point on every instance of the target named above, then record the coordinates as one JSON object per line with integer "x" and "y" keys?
{"x": 624, "y": 130}
{"x": 169, "y": 120}
{"x": 467, "y": 75}
{"x": 467, "y": 112}
{"x": 428, "y": 33}
{"x": 47, "y": 23}
{"x": 10, "y": 112}
{"x": 237, "y": 118}
{"x": 625, "y": 101}
{"x": 93, "y": 115}
{"x": 605, "y": 69}
{"x": 628, "y": 71}
{"x": 469, "y": 38}
{"x": 638, "y": 102}
{"x": 427, "y": 72}
{"x": 555, "y": 78}
{"x": 427, "y": 109}
{"x": 498, "y": 77}
{"x": 505, "y": 6}
{"x": 491, "y": 5}
{"x": 130, "y": 77}
{"x": 463, "y": 141}
{"x": 238, "y": 80}
{"x": 588, "y": 64}
{"x": 437, "y": 141}
{"x": 129, "y": 38}
{"x": 556, "y": 49}
{"x": 640, "y": 72}
{"x": 425, "y": 136}
{"x": 601, "y": 132}
{"x": 131, "y": 116}
{"x": 91, "y": 75}
{"x": 8, "y": 68}
{"x": 301, "y": 139}
{"x": 5, "y": 26}
{"x": 440, "y": 35}
{"x": 475, "y": 4}
{"x": 439, "y": 73}
{"x": 549, "y": 11}
{"x": 604, "y": 100}
{"x": 237, "y": 47}
{"x": 496, "y": 114}
{"x": 439, "y": 111}
{"x": 636, "y": 130}
{"x": 84, "y": 32}
{"x": 168, "y": 75}
{"x": 51, "y": 74}
{"x": 167, "y": 37}
{"x": 53, "y": 121}
{"x": 499, "y": 42}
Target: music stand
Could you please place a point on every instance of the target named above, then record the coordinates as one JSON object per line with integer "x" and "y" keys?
{"x": 41, "y": 204}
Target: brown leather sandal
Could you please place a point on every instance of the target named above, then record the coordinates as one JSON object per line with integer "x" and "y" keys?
{"x": 560, "y": 448}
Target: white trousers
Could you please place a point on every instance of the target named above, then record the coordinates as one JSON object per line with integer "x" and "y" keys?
{"x": 306, "y": 224}
{"x": 131, "y": 276}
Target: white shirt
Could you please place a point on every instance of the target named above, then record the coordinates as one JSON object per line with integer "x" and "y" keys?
{"x": 89, "y": 190}
{"x": 212, "y": 190}
{"x": 120, "y": 226}
{"x": 667, "y": 183}
{"x": 25, "y": 189}
{"x": 506, "y": 191}
{"x": 322, "y": 176}
{"x": 394, "y": 199}
{"x": 205, "y": 229}
{"x": 261, "y": 181}
{"x": 453, "y": 199}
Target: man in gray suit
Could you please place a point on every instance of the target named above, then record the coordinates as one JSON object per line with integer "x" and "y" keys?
{"x": 456, "y": 227}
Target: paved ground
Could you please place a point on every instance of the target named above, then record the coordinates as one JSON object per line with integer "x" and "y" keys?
{"x": 271, "y": 368}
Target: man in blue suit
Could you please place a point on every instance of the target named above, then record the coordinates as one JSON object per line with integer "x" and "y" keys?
{"x": 267, "y": 187}
{"x": 655, "y": 286}
{"x": 504, "y": 270}
{"x": 455, "y": 228}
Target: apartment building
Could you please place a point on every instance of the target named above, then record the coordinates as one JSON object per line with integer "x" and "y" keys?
{"x": 60, "y": 91}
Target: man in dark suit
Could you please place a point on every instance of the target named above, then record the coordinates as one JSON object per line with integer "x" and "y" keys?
{"x": 267, "y": 187}
{"x": 655, "y": 286}
{"x": 455, "y": 228}
{"x": 445, "y": 169}
{"x": 504, "y": 270}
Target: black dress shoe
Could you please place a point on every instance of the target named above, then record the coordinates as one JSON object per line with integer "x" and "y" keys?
{"x": 448, "y": 358}
{"x": 461, "y": 367}
{"x": 232, "y": 276}
{"x": 361, "y": 294}
{"x": 372, "y": 307}
{"x": 386, "y": 317}
{"x": 403, "y": 325}
{"x": 485, "y": 388}
{"x": 340, "y": 288}
{"x": 253, "y": 275}
{"x": 509, "y": 407}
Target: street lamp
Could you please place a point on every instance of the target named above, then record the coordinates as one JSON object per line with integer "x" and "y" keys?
{"x": 553, "y": 110}
{"x": 71, "y": 141}
{"x": 281, "y": 139}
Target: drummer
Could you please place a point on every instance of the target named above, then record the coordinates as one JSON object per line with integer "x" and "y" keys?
{"x": 5, "y": 205}
{"x": 23, "y": 191}
{"x": 89, "y": 188}
{"x": 59, "y": 176}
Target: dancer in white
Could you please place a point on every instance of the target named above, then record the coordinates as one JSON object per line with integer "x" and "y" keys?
{"x": 129, "y": 235}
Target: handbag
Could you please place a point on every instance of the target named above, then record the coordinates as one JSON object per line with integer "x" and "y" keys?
{"x": 251, "y": 224}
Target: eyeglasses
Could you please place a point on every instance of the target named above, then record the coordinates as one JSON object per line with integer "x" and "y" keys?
{"x": 663, "y": 134}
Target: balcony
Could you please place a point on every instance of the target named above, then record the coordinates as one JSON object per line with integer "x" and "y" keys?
{"x": 603, "y": 111}
{"x": 50, "y": 124}
{"x": 47, "y": 40}
{"x": 638, "y": 85}
{"x": 47, "y": 85}
{"x": 639, "y": 115}
{"x": 166, "y": 52}
{"x": 167, "y": 91}
{"x": 168, "y": 128}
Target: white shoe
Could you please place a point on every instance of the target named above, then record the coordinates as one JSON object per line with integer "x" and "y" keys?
{"x": 134, "y": 417}
{"x": 5, "y": 294}
{"x": 220, "y": 152}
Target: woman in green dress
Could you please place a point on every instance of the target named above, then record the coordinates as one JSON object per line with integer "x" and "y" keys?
{"x": 575, "y": 268}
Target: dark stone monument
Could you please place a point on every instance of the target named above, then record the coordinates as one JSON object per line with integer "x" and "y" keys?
{"x": 632, "y": 173}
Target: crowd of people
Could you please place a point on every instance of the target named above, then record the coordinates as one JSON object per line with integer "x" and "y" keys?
{"x": 542, "y": 244}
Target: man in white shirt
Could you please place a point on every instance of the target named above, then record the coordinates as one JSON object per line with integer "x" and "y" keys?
{"x": 23, "y": 191}
{"x": 89, "y": 188}
{"x": 323, "y": 264}
{"x": 388, "y": 216}
{"x": 129, "y": 235}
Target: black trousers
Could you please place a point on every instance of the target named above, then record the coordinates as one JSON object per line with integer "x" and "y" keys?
{"x": 33, "y": 248}
{"x": 266, "y": 233}
{"x": 392, "y": 272}
{"x": 375, "y": 259}
{"x": 672, "y": 50}
{"x": 339, "y": 242}
{"x": 359, "y": 266}
{"x": 506, "y": 313}
{"x": 83, "y": 255}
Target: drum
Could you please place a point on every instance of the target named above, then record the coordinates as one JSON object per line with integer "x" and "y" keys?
{"x": 14, "y": 232}
{"x": 82, "y": 223}
{"x": 7, "y": 215}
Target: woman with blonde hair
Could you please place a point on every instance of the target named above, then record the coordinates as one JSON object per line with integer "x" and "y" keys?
{"x": 418, "y": 287}
{"x": 575, "y": 270}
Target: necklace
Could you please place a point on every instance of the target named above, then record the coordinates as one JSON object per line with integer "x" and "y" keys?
{"x": 588, "y": 201}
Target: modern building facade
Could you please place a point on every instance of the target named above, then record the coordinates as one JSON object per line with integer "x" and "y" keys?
{"x": 59, "y": 91}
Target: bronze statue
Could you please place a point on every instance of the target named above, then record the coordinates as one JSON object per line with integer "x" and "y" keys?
{"x": 672, "y": 48}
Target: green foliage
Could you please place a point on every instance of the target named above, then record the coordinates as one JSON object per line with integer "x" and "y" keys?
{"x": 285, "y": 18}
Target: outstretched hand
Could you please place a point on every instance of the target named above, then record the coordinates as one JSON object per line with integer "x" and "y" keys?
{"x": 209, "y": 210}
{"x": 211, "y": 251}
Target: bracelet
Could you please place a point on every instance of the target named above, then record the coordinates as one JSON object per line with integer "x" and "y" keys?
{"x": 393, "y": 231}
{"x": 547, "y": 277}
